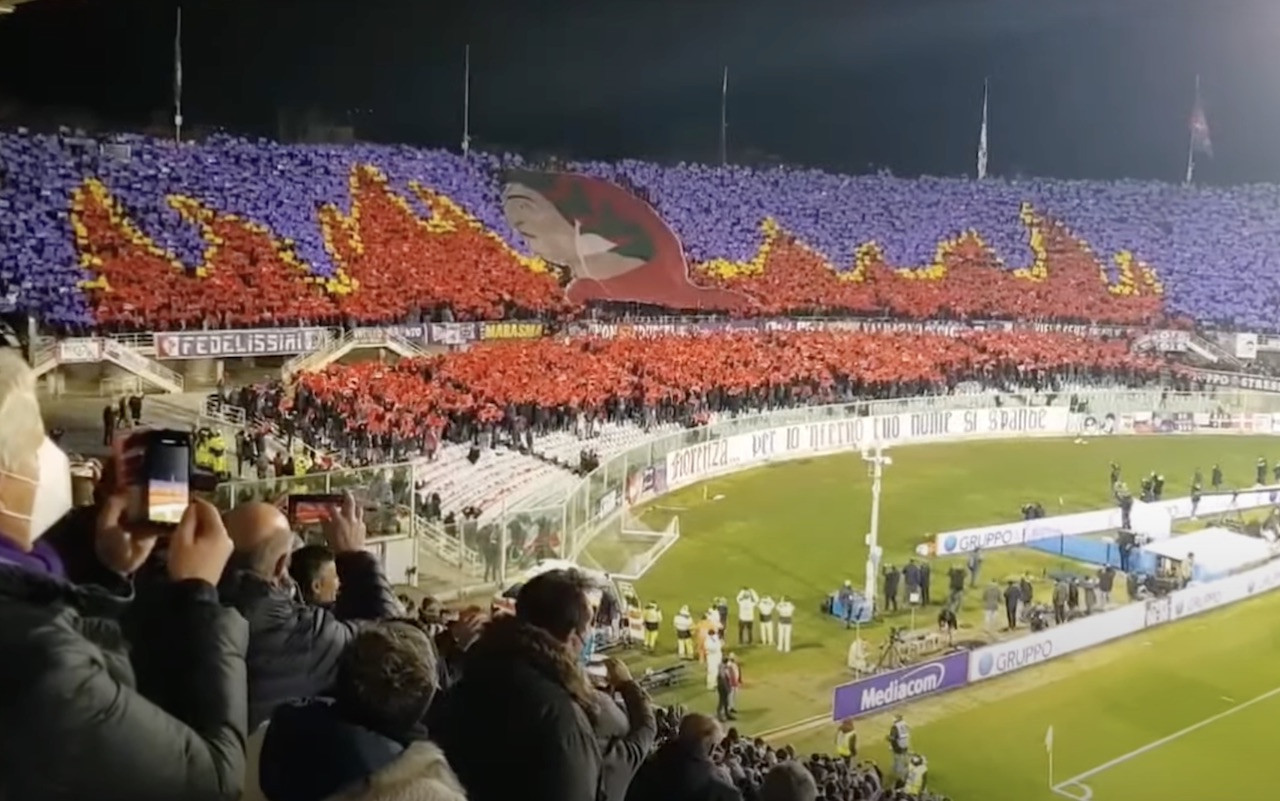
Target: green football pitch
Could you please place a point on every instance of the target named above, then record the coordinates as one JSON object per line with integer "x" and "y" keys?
{"x": 797, "y": 529}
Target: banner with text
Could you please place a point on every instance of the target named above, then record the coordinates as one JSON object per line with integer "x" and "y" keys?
{"x": 725, "y": 455}
{"x": 875, "y": 693}
{"x": 236, "y": 344}
{"x": 1002, "y": 535}
{"x": 1006, "y": 657}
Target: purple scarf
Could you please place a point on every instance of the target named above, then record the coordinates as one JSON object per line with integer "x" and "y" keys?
{"x": 42, "y": 559}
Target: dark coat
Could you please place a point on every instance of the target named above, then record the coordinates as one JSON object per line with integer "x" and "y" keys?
{"x": 678, "y": 772}
{"x": 78, "y": 721}
{"x": 624, "y": 749}
{"x": 519, "y": 722}
{"x": 294, "y": 647}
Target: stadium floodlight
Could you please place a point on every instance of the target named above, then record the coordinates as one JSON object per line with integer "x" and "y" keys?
{"x": 876, "y": 461}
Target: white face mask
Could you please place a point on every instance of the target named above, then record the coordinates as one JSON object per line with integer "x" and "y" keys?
{"x": 53, "y": 489}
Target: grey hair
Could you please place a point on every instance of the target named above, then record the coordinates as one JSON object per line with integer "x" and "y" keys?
{"x": 22, "y": 430}
{"x": 788, "y": 781}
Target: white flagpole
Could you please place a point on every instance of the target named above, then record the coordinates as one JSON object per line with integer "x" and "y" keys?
{"x": 177, "y": 80}
{"x": 1191, "y": 137}
{"x": 982, "y": 136}
{"x": 466, "y": 102}
{"x": 724, "y": 117}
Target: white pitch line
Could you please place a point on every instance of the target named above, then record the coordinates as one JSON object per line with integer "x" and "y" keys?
{"x": 1077, "y": 781}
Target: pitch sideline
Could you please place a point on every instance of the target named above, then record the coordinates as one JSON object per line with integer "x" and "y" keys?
{"x": 1086, "y": 793}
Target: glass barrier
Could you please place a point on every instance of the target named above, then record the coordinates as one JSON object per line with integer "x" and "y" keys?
{"x": 456, "y": 553}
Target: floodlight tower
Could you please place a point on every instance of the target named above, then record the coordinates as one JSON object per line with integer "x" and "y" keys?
{"x": 876, "y": 461}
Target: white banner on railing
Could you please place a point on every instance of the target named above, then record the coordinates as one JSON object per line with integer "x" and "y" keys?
{"x": 1023, "y": 652}
{"x": 1002, "y": 535}
{"x": 728, "y": 454}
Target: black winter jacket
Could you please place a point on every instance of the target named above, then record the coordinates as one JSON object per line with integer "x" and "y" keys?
{"x": 74, "y": 723}
{"x": 294, "y": 647}
{"x": 518, "y": 725}
{"x": 678, "y": 773}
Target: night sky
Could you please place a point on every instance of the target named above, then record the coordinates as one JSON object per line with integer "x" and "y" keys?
{"x": 1080, "y": 88}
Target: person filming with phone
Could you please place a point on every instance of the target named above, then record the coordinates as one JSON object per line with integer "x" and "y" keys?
{"x": 85, "y": 713}
{"x": 294, "y": 647}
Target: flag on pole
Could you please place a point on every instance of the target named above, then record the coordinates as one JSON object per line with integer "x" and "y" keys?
{"x": 1200, "y": 139}
{"x": 1048, "y": 740}
{"x": 982, "y": 137}
{"x": 177, "y": 76}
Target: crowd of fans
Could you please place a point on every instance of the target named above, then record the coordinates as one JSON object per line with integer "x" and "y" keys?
{"x": 162, "y": 238}
{"x": 513, "y": 391}
{"x": 217, "y": 660}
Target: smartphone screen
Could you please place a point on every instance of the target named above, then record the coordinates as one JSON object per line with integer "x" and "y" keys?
{"x": 307, "y": 510}
{"x": 168, "y": 477}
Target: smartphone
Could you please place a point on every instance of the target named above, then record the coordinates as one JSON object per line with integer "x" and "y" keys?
{"x": 305, "y": 510}
{"x": 155, "y": 469}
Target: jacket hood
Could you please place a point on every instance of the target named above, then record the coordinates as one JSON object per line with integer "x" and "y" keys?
{"x": 420, "y": 774}
{"x": 507, "y": 642}
{"x": 309, "y": 753}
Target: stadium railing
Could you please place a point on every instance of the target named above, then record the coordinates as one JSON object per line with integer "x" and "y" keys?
{"x": 593, "y": 523}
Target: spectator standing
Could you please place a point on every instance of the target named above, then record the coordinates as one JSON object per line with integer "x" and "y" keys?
{"x": 724, "y": 688}
{"x": 519, "y": 723}
{"x": 846, "y": 741}
{"x": 625, "y": 750}
{"x": 315, "y": 574}
{"x": 766, "y": 607}
{"x": 682, "y": 768}
{"x": 1060, "y": 594}
{"x": 1012, "y": 598}
{"x": 975, "y": 566}
{"x": 891, "y": 578}
{"x": 955, "y": 578}
{"x": 911, "y": 581}
{"x": 900, "y": 745}
{"x": 990, "y": 605}
{"x": 925, "y": 583}
{"x": 294, "y": 647}
{"x": 77, "y": 722}
{"x": 1106, "y": 580}
{"x": 786, "y": 614}
{"x": 362, "y": 744}
{"x": 788, "y": 781}
{"x": 747, "y": 599}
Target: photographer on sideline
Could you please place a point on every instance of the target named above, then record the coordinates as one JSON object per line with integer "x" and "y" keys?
{"x": 73, "y": 722}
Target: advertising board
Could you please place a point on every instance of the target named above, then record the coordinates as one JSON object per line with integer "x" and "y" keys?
{"x": 1001, "y": 535}
{"x": 884, "y": 690}
{"x": 717, "y": 457}
{"x": 232, "y": 344}
{"x": 1006, "y": 657}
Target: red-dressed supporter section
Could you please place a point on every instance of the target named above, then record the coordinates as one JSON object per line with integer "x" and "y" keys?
{"x": 678, "y": 378}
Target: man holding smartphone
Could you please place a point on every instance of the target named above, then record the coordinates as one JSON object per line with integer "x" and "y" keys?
{"x": 294, "y": 647}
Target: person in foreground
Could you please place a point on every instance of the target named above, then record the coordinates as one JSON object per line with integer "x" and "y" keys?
{"x": 361, "y": 745}
{"x": 74, "y": 724}
{"x": 682, "y": 769}
{"x": 294, "y": 647}
{"x": 519, "y": 723}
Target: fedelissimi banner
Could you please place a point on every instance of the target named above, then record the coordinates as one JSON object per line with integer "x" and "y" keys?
{"x": 721, "y": 456}
{"x": 875, "y": 693}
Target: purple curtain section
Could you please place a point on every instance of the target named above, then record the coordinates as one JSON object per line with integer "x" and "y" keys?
{"x": 1213, "y": 248}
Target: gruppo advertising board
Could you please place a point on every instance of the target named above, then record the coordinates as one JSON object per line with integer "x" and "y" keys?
{"x": 719, "y": 456}
{"x": 1001, "y": 535}
{"x": 884, "y": 690}
{"x": 1023, "y": 652}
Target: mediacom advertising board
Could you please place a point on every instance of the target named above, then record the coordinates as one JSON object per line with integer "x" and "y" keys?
{"x": 875, "y": 693}
{"x": 727, "y": 454}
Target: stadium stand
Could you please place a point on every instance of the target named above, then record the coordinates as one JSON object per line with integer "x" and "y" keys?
{"x": 143, "y": 235}
{"x": 518, "y": 392}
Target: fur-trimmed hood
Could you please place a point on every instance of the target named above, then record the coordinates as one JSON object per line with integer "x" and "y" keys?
{"x": 507, "y": 640}
{"x": 421, "y": 773}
